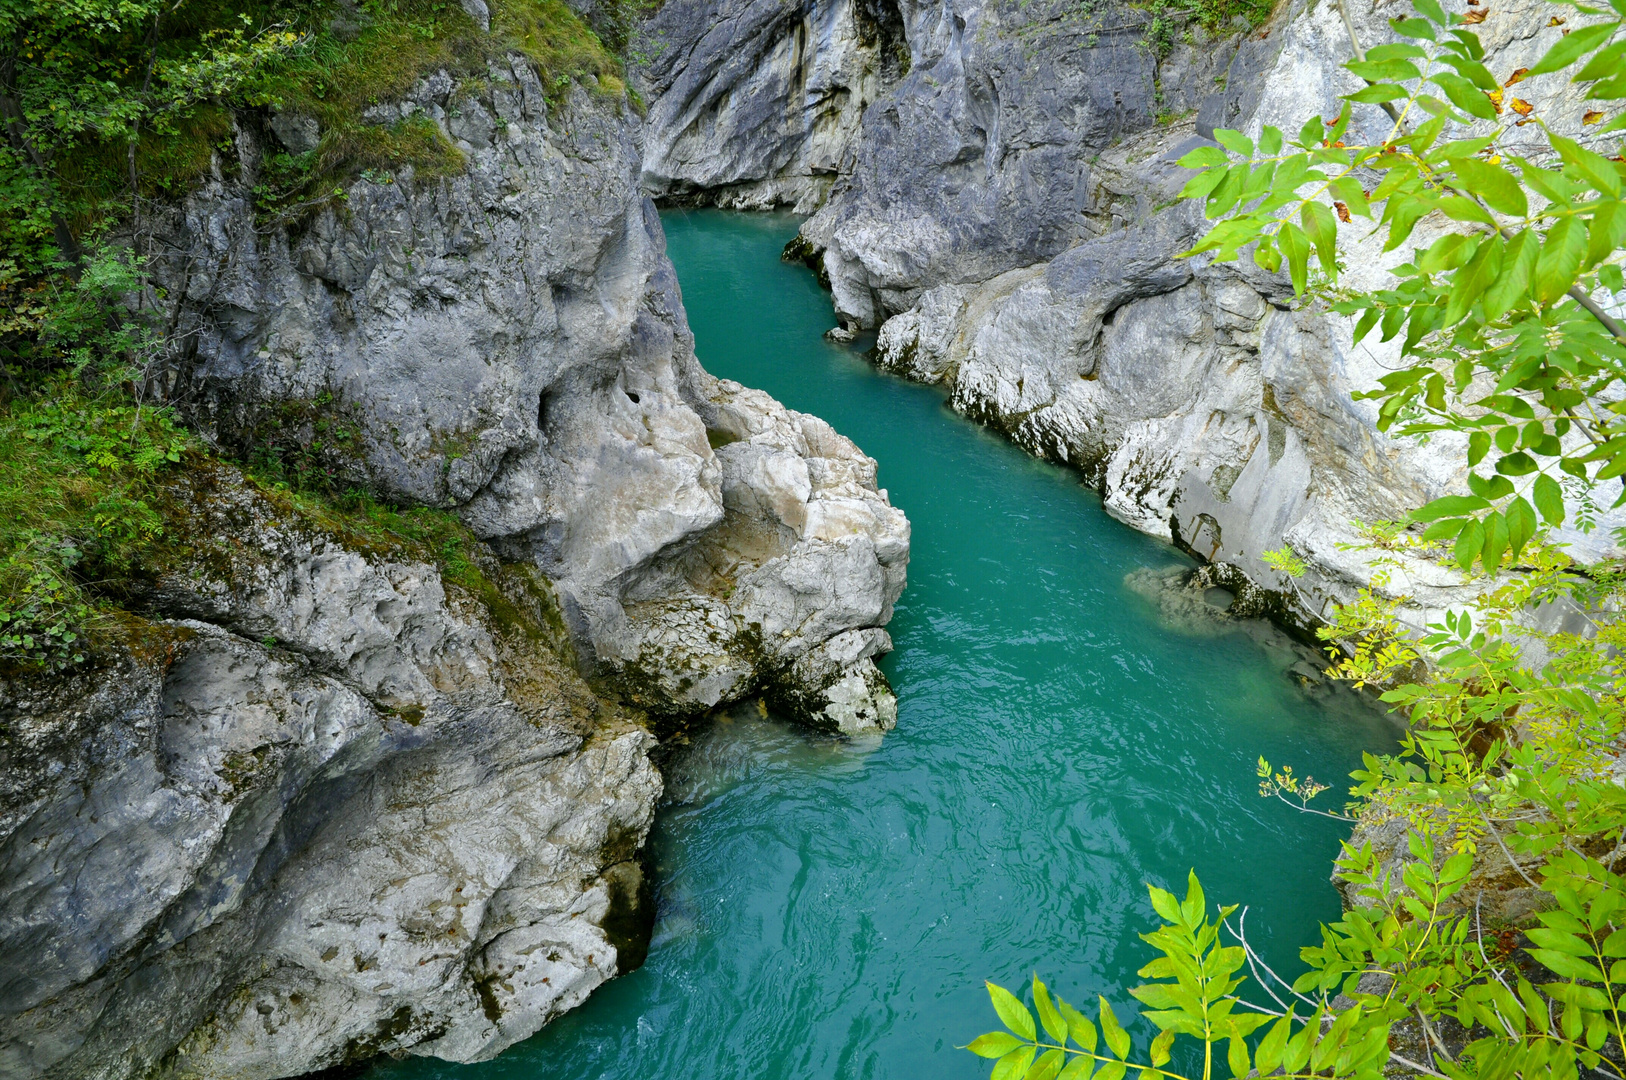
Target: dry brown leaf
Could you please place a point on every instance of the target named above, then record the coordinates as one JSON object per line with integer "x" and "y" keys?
{"x": 1555, "y": 21}
{"x": 1593, "y": 116}
{"x": 1517, "y": 76}
{"x": 1476, "y": 16}
{"x": 1495, "y": 97}
{"x": 1521, "y": 106}
{"x": 1343, "y": 212}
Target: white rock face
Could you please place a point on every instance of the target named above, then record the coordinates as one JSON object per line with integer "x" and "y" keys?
{"x": 322, "y": 807}
{"x": 510, "y": 343}
{"x": 1209, "y": 406}
{"x": 757, "y": 104}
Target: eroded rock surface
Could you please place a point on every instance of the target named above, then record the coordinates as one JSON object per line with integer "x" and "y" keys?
{"x": 510, "y": 343}
{"x": 1012, "y": 227}
{"x": 321, "y": 804}
{"x": 756, "y": 104}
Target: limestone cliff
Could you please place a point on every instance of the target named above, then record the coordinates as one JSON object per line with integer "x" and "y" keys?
{"x": 313, "y": 799}
{"x": 311, "y": 802}
{"x": 510, "y": 343}
{"x": 1009, "y": 226}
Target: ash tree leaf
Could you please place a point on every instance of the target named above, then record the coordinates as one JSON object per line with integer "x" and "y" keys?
{"x": 1203, "y": 157}
{"x": 1236, "y": 1057}
{"x": 1079, "y": 1068}
{"x": 1448, "y": 506}
{"x": 1570, "y": 48}
{"x": 1236, "y": 142}
{"x": 1495, "y": 185}
{"x": 1322, "y": 229}
{"x": 1464, "y": 95}
{"x": 1048, "y": 1066}
{"x": 1270, "y": 141}
{"x": 1595, "y": 168}
{"x": 1560, "y": 259}
{"x": 1521, "y": 525}
{"x": 1383, "y": 70}
{"x": 1478, "y": 447}
{"x": 994, "y": 1044}
{"x": 1012, "y": 1013}
{"x": 1054, "y": 1025}
{"x": 1549, "y": 499}
{"x": 1470, "y": 542}
{"x": 1296, "y": 247}
{"x": 1496, "y": 541}
{"x": 1079, "y": 1027}
{"x": 1014, "y": 1065}
{"x": 1117, "y": 1037}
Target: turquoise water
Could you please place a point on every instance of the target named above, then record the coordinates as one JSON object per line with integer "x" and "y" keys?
{"x": 830, "y": 909}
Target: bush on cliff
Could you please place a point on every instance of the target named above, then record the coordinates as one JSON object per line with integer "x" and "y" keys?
{"x": 1508, "y": 781}
{"x": 107, "y": 105}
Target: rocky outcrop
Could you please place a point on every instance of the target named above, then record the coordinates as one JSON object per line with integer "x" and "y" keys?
{"x": 1011, "y": 227}
{"x": 755, "y": 104}
{"x": 510, "y": 343}
{"x": 317, "y": 799}
{"x": 317, "y": 803}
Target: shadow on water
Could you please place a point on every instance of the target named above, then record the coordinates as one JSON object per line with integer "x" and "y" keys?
{"x": 1073, "y": 723}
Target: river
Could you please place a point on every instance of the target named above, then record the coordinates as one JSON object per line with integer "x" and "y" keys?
{"x": 1066, "y": 733}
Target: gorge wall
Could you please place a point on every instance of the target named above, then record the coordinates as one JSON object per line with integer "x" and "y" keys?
{"x": 1010, "y": 226}
{"x": 317, "y": 797}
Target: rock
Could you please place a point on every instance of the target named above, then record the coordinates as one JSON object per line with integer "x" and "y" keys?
{"x": 757, "y": 103}
{"x": 319, "y": 805}
{"x": 1012, "y": 226}
{"x": 510, "y": 343}
{"x": 298, "y": 133}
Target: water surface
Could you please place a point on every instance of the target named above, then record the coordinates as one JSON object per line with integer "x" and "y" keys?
{"x": 1066, "y": 733}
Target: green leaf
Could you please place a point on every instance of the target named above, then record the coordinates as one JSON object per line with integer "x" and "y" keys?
{"x": 1478, "y": 447}
{"x": 1296, "y": 247}
{"x": 1465, "y": 95}
{"x": 1376, "y": 94}
{"x": 1014, "y": 1065}
{"x": 1160, "y": 1047}
{"x": 1595, "y": 168}
{"x": 1549, "y": 499}
{"x": 1117, "y": 1038}
{"x": 1054, "y": 1025}
{"x": 1012, "y": 1013}
{"x": 1496, "y": 541}
{"x": 1413, "y": 28}
{"x": 1236, "y": 1056}
{"x": 1201, "y": 185}
{"x": 1079, "y": 1068}
{"x": 1429, "y": 10}
{"x": 1204, "y": 156}
{"x": 1312, "y": 132}
{"x": 1521, "y": 524}
{"x": 1470, "y": 542}
{"x": 994, "y": 1044}
{"x": 1570, "y": 48}
{"x": 1511, "y": 285}
{"x": 1236, "y": 142}
{"x": 1560, "y": 259}
{"x": 1079, "y": 1027}
{"x": 1567, "y": 966}
{"x": 1269, "y": 1055}
{"x": 1112, "y": 1070}
{"x": 1322, "y": 229}
{"x": 1449, "y": 505}
{"x": 1383, "y": 70}
{"x": 1048, "y": 1065}
{"x": 1495, "y": 185}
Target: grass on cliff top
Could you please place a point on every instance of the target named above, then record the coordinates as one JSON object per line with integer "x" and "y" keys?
{"x": 354, "y": 56}
{"x": 87, "y": 510}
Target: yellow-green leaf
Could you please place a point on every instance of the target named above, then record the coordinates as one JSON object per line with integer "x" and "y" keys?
{"x": 1012, "y": 1013}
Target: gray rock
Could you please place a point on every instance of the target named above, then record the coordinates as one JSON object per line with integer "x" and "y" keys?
{"x": 1009, "y": 225}
{"x": 510, "y": 343}
{"x": 756, "y": 103}
{"x": 322, "y": 806}
{"x": 297, "y": 132}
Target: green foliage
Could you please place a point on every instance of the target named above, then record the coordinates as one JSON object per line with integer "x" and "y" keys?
{"x": 1170, "y": 19}
{"x": 1502, "y": 338}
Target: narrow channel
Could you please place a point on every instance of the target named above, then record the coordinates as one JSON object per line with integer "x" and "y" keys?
{"x": 1069, "y": 729}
